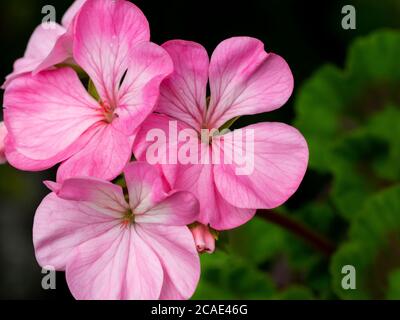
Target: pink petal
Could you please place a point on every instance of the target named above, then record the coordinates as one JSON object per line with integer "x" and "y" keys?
{"x": 118, "y": 264}
{"x": 149, "y": 64}
{"x": 279, "y": 164}
{"x": 214, "y": 210}
{"x": 3, "y": 134}
{"x": 61, "y": 225}
{"x": 145, "y": 186}
{"x": 62, "y": 51}
{"x": 46, "y": 114}
{"x": 244, "y": 80}
{"x": 106, "y": 32}
{"x": 197, "y": 179}
{"x": 106, "y": 197}
{"x": 21, "y": 162}
{"x": 72, "y": 12}
{"x": 175, "y": 248}
{"x": 179, "y": 208}
{"x": 183, "y": 94}
{"x": 39, "y": 46}
{"x": 104, "y": 156}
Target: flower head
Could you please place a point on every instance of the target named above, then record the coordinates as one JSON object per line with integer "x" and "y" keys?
{"x": 243, "y": 79}
{"x": 114, "y": 249}
{"x": 50, "y": 116}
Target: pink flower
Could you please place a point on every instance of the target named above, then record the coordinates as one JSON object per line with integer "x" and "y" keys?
{"x": 203, "y": 238}
{"x": 243, "y": 79}
{"x": 50, "y": 116}
{"x": 112, "y": 249}
{"x": 49, "y": 45}
{"x": 3, "y": 134}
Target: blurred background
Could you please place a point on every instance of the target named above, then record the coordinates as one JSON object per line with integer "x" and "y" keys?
{"x": 347, "y": 104}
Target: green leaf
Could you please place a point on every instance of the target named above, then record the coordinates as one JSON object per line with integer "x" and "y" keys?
{"x": 257, "y": 241}
{"x": 373, "y": 247}
{"x": 393, "y": 292}
{"x": 225, "y": 276}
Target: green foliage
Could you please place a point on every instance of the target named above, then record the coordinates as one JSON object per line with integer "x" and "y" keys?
{"x": 373, "y": 248}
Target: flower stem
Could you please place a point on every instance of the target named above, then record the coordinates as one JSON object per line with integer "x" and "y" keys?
{"x": 318, "y": 241}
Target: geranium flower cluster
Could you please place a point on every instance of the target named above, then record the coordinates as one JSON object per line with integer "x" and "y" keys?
{"x": 88, "y": 94}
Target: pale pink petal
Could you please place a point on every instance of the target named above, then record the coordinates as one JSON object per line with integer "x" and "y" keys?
{"x": 149, "y": 64}
{"x": 270, "y": 174}
{"x": 183, "y": 94}
{"x": 195, "y": 178}
{"x": 61, "y": 225}
{"x": 214, "y": 210}
{"x": 179, "y": 208}
{"x": 72, "y": 12}
{"x": 47, "y": 113}
{"x": 39, "y": 46}
{"x": 176, "y": 250}
{"x": 145, "y": 186}
{"x": 106, "y": 197}
{"x": 117, "y": 265}
{"x": 106, "y": 32}
{"x": 21, "y": 162}
{"x": 244, "y": 80}
{"x": 104, "y": 156}
{"x": 3, "y": 134}
{"x": 61, "y": 52}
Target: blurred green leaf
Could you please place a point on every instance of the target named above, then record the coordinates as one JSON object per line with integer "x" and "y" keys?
{"x": 227, "y": 276}
{"x": 373, "y": 247}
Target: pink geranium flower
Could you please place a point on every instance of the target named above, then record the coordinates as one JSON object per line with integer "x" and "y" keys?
{"x": 113, "y": 249}
{"x": 49, "y": 45}
{"x": 243, "y": 79}
{"x": 50, "y": 116}
{"x": 3, "y": 134}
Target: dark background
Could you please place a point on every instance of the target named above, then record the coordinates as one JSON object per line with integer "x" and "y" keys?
{"x": 306, "y": 33}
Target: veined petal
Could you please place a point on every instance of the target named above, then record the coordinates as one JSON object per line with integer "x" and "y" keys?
{"x": 175, "y": 248}
{"x": 72, "y": 12}
{"x": 39, "y": 46}
{"x": 106, "y": 32}
{"x": 214, "y": 209}
{"x": 61, "y": 225}
{"x": 46, "y": 114}
{"x": 179, "y": 208}
{"x": 183, "y": 94}
{"x": 106, "y": 197}
{"x": 244, "y": 80}
{"x": 104, "y": 156}
{"x": 145, "y": 186}
{"x": 149, "y": 64}
{"x": 266, "y": 176}
{"x": 117, "y": 265}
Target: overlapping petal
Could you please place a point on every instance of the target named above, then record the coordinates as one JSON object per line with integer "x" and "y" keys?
{"x": 183, "y": 94}
{"x": 117, "y": 265}
{"x": 106, "y": 32}
{"x": 45, "y": 119}
{"x": 177, "y": 253}
{"x": 244, "y": 80}
{"x": 61, "y": 225}
{"x": 274, "y": 169}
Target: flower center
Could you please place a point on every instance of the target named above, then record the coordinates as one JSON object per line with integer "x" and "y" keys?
{"x": 108, "y": 111}
{"x": 127, "y": 219}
